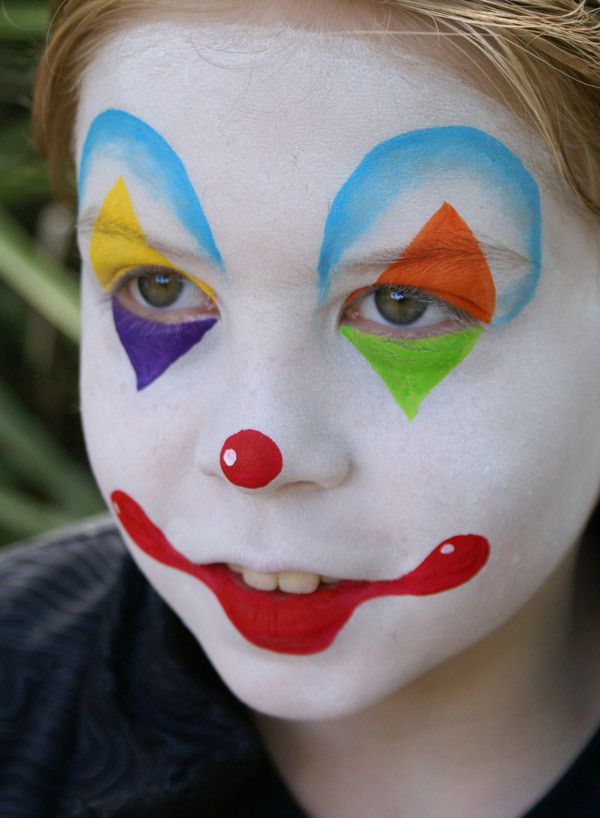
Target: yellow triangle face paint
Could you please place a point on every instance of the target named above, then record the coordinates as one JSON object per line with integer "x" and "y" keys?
{"x": 118, "y": 242}
{"x": 410, "y": 368}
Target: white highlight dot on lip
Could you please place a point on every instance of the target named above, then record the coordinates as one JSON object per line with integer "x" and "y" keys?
{"x": 447, "y": 549}
{"x": 229, "y": 457}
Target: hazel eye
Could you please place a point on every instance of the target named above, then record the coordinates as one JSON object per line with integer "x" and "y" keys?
{"x": 397, "y": 307}
{"x": 164, "y": 295}
{"x": 160, "y": 288}
{"x": 401, "y": 308}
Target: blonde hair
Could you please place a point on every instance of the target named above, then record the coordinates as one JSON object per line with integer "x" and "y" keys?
{"x": 546, "y": 51}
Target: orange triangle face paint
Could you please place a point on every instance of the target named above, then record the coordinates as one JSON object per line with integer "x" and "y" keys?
{"x": 445, "y": 259}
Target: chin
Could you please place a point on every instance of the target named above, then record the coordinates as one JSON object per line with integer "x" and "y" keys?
{"x": 279, "y": 687}
{"x": 344, "y": 680}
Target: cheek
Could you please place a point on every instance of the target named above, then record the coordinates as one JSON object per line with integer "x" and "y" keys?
{"x": 128, "y": 433}
{"x": 507, "y": 447}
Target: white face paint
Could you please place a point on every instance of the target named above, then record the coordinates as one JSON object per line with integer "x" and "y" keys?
{"x": 268, "y": 126}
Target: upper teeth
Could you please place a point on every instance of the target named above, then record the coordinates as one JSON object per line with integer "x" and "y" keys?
{"x": 292, "y": 582}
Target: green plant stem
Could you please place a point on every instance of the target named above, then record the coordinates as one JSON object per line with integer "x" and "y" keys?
{"x": 21, "y": 516}
{"x": 38, "y": 278}
{"x": 33, "y": 453}
{"x": 26, "y": 20}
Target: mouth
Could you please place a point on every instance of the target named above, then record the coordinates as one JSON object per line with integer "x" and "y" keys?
{"x": 291, "y": 582}
{"x": 297, "y": 612}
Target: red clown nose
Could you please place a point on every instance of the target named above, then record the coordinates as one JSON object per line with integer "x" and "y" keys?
{"x": 250, "y": 459}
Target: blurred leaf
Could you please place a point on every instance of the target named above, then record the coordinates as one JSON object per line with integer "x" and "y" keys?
{"x": 21, "y": 516}
{"x": 38, "y": 278}
{"x": 23, "y": 19}
{"x": 30, "y": 450}
{"x": 16, "y": 77}
{"x": 43, "y": 483}
{"x": 23, "y": 173}
{"x": 12, "y": 315}
{"x": 8, "y": 476}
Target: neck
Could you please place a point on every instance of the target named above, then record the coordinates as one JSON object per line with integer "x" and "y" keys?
{"x": 486, "y": 734}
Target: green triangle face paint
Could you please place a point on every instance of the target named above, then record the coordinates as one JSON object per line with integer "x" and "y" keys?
{"x": 410, "y": 368}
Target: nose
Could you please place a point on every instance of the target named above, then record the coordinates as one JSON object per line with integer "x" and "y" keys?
{"x": 274, "y": 418}
{"x": 250, "y": 459}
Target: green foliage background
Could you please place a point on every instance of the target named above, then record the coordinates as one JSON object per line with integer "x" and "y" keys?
{"x": 44, "y": 478}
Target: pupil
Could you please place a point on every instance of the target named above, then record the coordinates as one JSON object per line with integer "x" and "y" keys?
{"x": 399, "y": 308}
{"x": 160, "y": 289}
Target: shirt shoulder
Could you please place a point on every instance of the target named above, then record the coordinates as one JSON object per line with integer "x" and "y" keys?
{"x": 52, "y": 584}
{"x": 108, "y": 706}
{"x": 577, "y": 792}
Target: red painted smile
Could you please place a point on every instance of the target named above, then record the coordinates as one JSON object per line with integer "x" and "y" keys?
{"x": 304, "y": 623}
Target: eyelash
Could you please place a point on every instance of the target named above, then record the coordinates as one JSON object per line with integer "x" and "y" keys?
{"x": 350, "y": 313}
{"x": 120, "y": 282}
{"x": 460, "y": 318}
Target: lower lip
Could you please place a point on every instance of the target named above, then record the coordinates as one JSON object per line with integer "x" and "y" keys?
{"x": 304, "y": 623}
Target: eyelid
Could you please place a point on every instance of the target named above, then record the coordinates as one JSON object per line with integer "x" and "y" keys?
{"x": 452, "y": 312}
{"x": 445, "y": 259}
{"x": 410, "y": 292}
{"x": 127, "y": 274}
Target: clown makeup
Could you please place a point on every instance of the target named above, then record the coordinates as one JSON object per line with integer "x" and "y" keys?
{"x": 340, "y": 342}
{"x": 302, "y": 623}
{"x": 124, "y": 261}
{"x": 443, "y": 260}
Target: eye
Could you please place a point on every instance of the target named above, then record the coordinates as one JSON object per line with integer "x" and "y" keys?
{"x": 159, "y": 289}
{"x": 404, "y": 309}
{"x": 162, "y": 294}
{"x": 395, "y": 306}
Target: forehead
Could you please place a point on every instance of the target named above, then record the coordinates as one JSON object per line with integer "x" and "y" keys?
{"x": 279, "y": 118}
{"x": 240, "y": 105}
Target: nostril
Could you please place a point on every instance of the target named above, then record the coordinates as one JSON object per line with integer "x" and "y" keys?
{"x": 250, "y": 459}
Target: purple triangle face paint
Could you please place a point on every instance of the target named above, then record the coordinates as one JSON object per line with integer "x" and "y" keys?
{"x": 152, "y": 346}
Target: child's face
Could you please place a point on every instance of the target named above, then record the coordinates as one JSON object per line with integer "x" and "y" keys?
{"x": 279, "y": 173}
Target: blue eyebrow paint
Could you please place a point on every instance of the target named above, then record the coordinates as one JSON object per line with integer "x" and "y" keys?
{"x": 124, "y": 137}
{"x": 411, "y": 160}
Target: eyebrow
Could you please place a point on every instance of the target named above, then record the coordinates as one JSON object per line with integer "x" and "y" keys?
{"x": 86, "y": 225}
{"x": 462, "y": 276}
{"x": 500, "y": 256}
{"x": 149, "y": 157}
{"x": 502, "y": 260}
{"x": 406, "y": 163}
